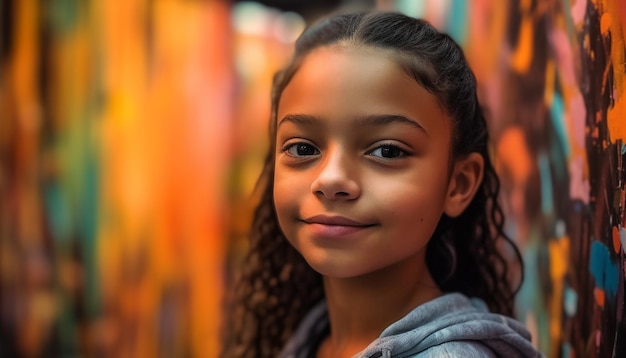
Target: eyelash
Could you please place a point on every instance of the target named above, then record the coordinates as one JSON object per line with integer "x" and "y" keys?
{"x": 289, "y": 146}
{"x": 387, "y": 146}
{"x": 303, "y": 145}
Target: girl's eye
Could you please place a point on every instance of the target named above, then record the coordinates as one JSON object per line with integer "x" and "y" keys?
{"x": 388, "y": 151}
{"x": 301, "y": 150}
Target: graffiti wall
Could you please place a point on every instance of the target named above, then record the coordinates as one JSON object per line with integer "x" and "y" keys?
{"x": 552, "y": 81}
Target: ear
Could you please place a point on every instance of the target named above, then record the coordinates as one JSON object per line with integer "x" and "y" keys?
{"x": 467, "y": 175}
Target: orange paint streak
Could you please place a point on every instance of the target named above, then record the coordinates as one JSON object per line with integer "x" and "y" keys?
{"x": 599, "y": 296}
{"x": 605, "y": 23}
{"x": 616, "y": 119}
{"x": 514, "y": 154}
{"x": 617, "y": 244}
{"x": 522, "y": 57}
{"x": 612, "y": 21}
{"x": 548, "y": 94}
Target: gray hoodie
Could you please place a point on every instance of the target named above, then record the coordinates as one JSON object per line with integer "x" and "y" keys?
{"x": 449, "y": 326}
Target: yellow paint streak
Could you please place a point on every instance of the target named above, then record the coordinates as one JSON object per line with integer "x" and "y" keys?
{"x": 559, "y": 253}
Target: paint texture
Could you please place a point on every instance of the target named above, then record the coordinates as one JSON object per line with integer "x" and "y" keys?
{"x": 112, "y": 206}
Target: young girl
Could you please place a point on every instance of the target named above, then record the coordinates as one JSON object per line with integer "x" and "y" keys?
{"x": 378, "y": 231}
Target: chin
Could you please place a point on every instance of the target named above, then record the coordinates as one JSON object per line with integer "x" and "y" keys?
{"x": 336, "y": 270}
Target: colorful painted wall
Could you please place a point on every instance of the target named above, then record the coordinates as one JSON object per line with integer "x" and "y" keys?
{"x": 131, "y": 135}
{"x": 114, "y": 134}
{"x": 552, "y": 80}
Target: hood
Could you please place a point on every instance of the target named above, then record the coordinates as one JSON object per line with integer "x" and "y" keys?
{"x": 449, "y": 326}
{"x": 454, "y": 319}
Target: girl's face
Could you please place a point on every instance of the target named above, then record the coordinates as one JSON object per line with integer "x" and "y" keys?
{"x": 362, "y": 162}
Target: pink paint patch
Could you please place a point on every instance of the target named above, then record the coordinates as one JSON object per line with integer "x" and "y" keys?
{"x": 579, "y": 185}
{"x": 578, "y": 11}
{"x": 578, "y": 113}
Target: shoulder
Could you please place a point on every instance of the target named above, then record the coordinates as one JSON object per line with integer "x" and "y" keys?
{"x": 454, "y": 326}
{"x": 458, "y": 349}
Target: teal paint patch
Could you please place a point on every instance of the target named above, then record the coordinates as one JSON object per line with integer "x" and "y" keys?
{"x": 566, "y": 349}
{"x": 557, "y": 115}
{"x": 412, "y": 8}
{"x": 604, "y": 271}
{"x": 547, "y": 206}
{"x": 457, "y": 21}
{"x": 63, "y": 15}
{"x": 57, "y": 211}
{"x": 570, "y": 301}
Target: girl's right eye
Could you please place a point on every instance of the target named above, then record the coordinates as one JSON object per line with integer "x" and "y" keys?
{"x": 300, "y": 150}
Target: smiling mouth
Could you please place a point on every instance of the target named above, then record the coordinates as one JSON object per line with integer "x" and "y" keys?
{"x": 335, "y": 221}
{"x": 334, "y": 227}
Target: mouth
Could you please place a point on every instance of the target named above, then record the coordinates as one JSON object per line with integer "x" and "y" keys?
{"x": 335, "y": 227}
{"x": 329, "y": 220}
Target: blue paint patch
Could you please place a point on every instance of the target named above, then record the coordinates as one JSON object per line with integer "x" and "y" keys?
{"x": 412, "y": 7}
{"x": 604, "y": 271}
{"x": 559, "y": 229}
{"x": 547, "y": 207}
{"x": 570, "y": 301}
{"x": 556, "y": 114}
{"x": 566, "y": 348}
{"x": 457, "y": 21}
{"x": 623, "y": 148}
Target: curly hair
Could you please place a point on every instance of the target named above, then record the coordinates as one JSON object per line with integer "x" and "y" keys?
{"x": 276, "y": 287}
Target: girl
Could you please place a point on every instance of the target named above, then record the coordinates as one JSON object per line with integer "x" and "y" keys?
{"x": 378, "y": 230}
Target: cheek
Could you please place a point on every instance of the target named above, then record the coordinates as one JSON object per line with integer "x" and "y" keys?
{"x": 413, "y": 205}
{"x": 288, "y": 191}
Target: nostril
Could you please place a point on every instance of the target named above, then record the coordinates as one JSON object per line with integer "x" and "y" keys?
{"x": 331, "y": 194}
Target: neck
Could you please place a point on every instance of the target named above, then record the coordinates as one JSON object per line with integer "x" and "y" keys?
{"x": 361, "y": 308}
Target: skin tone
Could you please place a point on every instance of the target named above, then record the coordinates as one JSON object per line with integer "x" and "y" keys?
{"x": 362, "y": 177}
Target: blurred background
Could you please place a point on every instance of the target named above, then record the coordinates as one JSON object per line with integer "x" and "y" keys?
{"x": 132, "y": 134}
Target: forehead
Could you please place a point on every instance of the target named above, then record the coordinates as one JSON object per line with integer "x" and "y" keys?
{"x": 342, "y": 82}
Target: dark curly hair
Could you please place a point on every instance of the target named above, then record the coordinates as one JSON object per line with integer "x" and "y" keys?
{"x": 276, "y": 286}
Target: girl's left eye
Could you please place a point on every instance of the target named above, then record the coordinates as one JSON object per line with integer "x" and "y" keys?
{"x": 388, "y": 151}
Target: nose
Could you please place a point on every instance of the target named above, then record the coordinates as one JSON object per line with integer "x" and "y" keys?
{"x": 336, "y": 178}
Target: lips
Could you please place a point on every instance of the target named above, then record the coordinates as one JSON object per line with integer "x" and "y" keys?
{"x": 333, "y": 220}
{"x": 334, "y": 226}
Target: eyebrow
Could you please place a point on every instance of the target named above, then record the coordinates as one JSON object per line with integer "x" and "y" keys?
{"x": 371, "y": 120}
